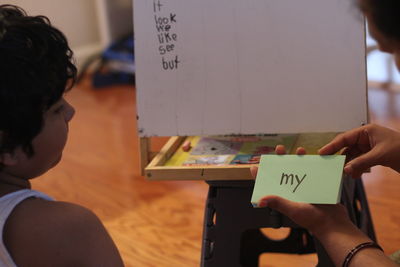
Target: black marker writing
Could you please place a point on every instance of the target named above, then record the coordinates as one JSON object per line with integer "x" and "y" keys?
{"x": 157, "y": 5}
{"x": 292, "y": 178}
{"x": 170, "y": 64}
{"x": 165, "y": 49}
{"x": 165, "y": 20}
{"x": 166, "y": 37}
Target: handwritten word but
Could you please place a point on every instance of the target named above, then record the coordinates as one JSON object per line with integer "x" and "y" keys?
{"x": 170, "y": 64}
{"x": 292, "y": 178}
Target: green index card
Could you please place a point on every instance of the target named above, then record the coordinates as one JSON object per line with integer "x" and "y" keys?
{"x": 308, "y": 178}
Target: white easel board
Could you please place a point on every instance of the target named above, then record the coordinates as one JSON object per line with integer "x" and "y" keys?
{"x": 249, "y": 66}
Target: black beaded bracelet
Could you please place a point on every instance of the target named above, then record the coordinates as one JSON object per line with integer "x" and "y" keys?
{"x": 356, "y": 249}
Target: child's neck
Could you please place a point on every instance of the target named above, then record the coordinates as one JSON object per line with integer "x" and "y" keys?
{"x": 9, "y": 183}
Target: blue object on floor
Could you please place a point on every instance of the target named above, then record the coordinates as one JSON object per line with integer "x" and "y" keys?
{"x": 117, "y": 64}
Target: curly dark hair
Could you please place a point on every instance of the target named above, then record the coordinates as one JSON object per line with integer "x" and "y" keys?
{"x": 36, "y": 69}
{"x": 385, "y": 15}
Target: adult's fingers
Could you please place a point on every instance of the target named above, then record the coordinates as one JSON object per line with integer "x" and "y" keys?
{"x": 253, "y": 171}
{"x": 282, "y": 205}
{"x": 301, "y": 151}
{"x": 280, "y": 150}
{"x": 360, "y": 164}
{"x": 343, "y": 140}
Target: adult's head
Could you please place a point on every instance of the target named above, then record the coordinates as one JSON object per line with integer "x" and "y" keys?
{"x": 384, "y": 24}
{"x": 36, "y": 68}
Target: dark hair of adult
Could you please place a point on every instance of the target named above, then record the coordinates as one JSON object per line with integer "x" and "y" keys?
{"x": 36, "y": 68}
{"x": 385, "y": 15}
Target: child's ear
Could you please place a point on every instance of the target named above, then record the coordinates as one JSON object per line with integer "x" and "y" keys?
{"x": 8, "y": 159}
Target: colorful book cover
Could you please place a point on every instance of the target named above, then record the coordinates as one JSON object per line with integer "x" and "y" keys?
{"x": 207, "y": 160}
{"x": 246, "y": 159}
{"x": 216, "y": 146}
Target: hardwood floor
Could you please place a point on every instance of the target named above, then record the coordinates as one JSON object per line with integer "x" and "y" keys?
{"x": 160, "y": 223}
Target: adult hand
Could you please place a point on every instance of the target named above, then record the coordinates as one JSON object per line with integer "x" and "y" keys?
{"x": 366, "y": 147}
{"x": 330, "y": 224}
{"x": 315, "y": 218}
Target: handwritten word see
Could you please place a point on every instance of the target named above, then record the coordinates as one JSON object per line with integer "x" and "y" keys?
{"x": 292, "y": 178}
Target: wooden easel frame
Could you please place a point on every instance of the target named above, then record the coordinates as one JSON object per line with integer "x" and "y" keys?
{"x": 152, "y": 166}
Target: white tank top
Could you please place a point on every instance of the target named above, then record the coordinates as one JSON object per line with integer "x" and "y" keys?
{"x": 7, "y": 204}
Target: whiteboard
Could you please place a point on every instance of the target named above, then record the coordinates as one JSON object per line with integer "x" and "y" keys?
{"x": 208, "y": 67}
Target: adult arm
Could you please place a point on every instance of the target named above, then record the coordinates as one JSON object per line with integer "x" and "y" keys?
{"x": 330, "y": 224}
{"x": 332, "y": 227}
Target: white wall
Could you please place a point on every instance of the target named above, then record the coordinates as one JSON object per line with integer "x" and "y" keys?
{"x": 115, "y": 18}
{"x": 87, "y": 24}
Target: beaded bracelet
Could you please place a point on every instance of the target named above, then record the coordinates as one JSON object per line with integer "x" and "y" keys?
{"x": 356, "y": 249}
